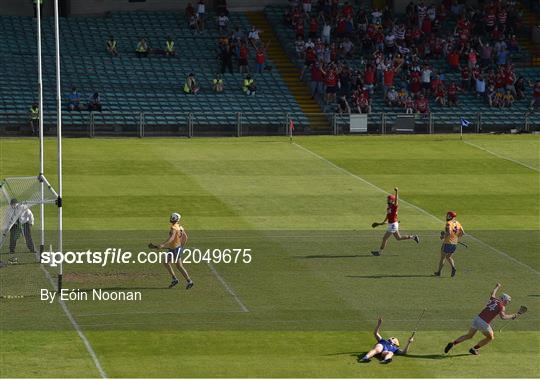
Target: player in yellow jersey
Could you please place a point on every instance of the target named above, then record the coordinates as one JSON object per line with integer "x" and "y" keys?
{"x": 175, "y": 245}
{"x": 450, "y": 237}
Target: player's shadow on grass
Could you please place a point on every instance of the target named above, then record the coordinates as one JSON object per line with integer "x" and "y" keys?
{"x": 394, "y": 276}
{"x": 360, "y": 355}
{"x": 434, "y": 356}
{"x": 333, "y": 256}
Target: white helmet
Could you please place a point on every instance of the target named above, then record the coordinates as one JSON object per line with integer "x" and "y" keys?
{"x": 506, "y": 297}
{"x": 175, "y": 217}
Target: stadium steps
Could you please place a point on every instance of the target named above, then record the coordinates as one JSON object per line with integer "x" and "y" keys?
{"x": 531, "y": 19}
{"x": 289, "y": 72}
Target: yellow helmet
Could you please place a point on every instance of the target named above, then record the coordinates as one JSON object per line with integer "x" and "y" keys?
{"x": 394, "y": 341}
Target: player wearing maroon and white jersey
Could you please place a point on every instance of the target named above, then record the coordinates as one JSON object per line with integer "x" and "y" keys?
{"x": 393, "y": 224}
{"x": 495, "y": 306}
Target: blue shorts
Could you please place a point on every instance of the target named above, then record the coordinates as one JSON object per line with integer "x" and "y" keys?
{"x": 449, "y": 248}
{"x": 387, "y": 346}
{"x": 176, "y": 253}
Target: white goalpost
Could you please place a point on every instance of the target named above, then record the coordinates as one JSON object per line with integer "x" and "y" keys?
{"x": 19, "y": 194}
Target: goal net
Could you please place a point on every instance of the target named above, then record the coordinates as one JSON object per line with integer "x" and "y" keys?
{"x": 22, "y": 232}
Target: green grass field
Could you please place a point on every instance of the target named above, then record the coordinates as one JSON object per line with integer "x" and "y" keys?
{"x": 307, "y": 303}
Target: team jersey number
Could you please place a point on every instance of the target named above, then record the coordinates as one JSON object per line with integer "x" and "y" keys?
{"x": 492, "y": 305}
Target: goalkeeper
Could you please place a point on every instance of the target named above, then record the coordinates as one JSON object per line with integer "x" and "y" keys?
{"x": 23, "y": 225}
{"x": 175, "y": 244}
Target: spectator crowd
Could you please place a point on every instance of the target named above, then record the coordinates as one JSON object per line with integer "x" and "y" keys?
{"x": 431, "y": 54}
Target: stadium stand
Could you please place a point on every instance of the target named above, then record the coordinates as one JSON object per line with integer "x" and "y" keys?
{"x": 291, "y": 22}
{"x": 129, "y": 85}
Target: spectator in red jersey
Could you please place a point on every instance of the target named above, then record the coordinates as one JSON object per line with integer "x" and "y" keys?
{"x": 363, "y": 103}
{"x": 495, "y": 307}
{"x": 317, "y": 83}
{"x": 388, "y": 78}
{"x": 453, "y": 60}
{"x": 465, "y": 77}
{"x": 369, "y": 78}
{"x": 452, "y": 94}
{"x": 189, "y": 11}
{"x": 311, "y": 57}
{"x": 341, "y": 27}
{"x": 486, "y": 53}
{"x": 260, "y": 59}
{"x": 513, "y": 44}
{"x": 421, "y": 105}
{"x": 440, "y": 95}
{"x": 243, "y": 58}
{"x": 409, "y": 105}
{"x": 435, "y": 83}
{"x": 331, "y": 82}
{"x": 509, "y": 79}
{"x": 415, "y": 87}
{"x": 348, "y": 10}
{"x": 313, "y": 27}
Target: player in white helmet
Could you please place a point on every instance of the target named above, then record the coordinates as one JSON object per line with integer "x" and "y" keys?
{"x": 495, "y": 306}
{"x": 175, "y": 244}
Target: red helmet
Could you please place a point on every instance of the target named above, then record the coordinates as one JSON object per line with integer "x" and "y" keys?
{"x": 391, "y": 198}
{"x": 451, "y": 215}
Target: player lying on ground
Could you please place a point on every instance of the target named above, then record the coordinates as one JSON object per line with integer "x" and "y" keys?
{"x": 175, "y": 243}
{"x": 495, "y": 306}
{"x": 450, "y": 237}
{"x": 387, "y": 348}
{"x": 393, "y": 224}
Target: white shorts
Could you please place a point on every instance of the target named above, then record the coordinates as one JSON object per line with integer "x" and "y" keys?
{"x": 392, "y": 227}
{"x": 481, "y": 325}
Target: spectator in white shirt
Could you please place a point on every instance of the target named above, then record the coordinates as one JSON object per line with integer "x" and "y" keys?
{"x": 223, "y": 22}
{"x": 426, "y": 78}
{"x": 480, "y": 87}
{"x": 326, "y": 32}
{"x": 254, "y": 36}
{"x": 22, "y": 224}
{"x": 201, "y": 11}
{"x": 300, "y": 47}
{"x": 376, "y": 16}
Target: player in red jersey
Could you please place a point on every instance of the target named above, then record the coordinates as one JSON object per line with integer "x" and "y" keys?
{"x": 495, "y": 306}
{"x": 393, "y": 224}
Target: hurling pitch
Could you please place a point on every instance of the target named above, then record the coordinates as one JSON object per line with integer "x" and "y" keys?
{"x": 307, "y": 301}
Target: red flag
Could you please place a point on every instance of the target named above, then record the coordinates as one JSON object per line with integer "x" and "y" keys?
{"x": 291, "y": 125}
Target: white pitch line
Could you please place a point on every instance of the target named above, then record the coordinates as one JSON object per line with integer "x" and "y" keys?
{"x": 501, "y": 156}
{"x": 228, "y": 288}
{"x": 498, "y": 251}
{"x": 77, "y": 328}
